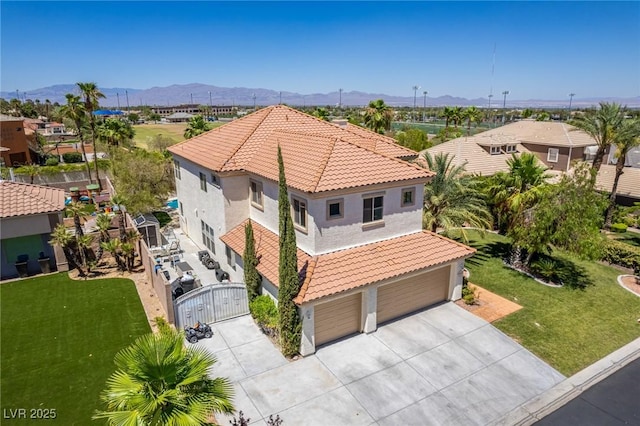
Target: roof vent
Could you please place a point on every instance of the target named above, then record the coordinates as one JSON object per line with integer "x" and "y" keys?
{"x": 342, "y": 122}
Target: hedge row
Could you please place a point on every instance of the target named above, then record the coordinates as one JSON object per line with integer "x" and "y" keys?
{"x": 622, "y": 254}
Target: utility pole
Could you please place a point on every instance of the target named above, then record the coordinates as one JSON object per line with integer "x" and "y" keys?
{"x": 424, "y": 105}
{"x": 490, "y": 114}
{"x": 210, "y": 106}
{"x": 415, "y": 92}
{"x": 126, "y": 92}
{"x": 280, "y": 94}
{"x": 191, "y": 98}
{"x": 254, "y": 101}
{"x": 504, "y": 105}
{"x": 118, "y": 96}
{"x": 340, "y": 100}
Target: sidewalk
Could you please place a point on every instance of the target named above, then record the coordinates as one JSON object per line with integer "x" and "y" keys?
{"x": 564, "y": 392}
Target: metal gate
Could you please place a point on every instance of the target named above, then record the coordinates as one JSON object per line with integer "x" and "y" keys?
{"x": 211, "y": 303}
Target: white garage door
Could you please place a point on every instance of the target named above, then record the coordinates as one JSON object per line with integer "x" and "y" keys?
{"x": 337, "y": 318}
{"x": 412, "y": 294}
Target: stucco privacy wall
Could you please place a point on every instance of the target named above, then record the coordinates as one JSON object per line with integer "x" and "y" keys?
{"x": 13, "y": 227}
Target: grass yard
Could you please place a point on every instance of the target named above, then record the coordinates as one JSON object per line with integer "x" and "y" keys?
{"x": 569, "y": 329}
{"x": 174, "y": 131}
{"x": 59, "y": 337}
{"x": 628, "y": 237}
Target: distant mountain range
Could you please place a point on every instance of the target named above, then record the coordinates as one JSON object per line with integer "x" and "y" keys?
{"x": 241, "y": 96}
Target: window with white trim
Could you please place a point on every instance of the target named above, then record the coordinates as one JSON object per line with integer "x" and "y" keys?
{"x": 231, "y": 257}
{"x": 215, "y": 181}
{"x": 372, "y": 208}
{"x": 256, "y": 193}
{"x": 176, "y": 169}
{"x": 335, "y": 209}
{"x": 511, "y": 149}
{"x": 299, "y": 207}
{"x": 207, "y": 236}
{"x": 203, "y": 182}
{"x": 494, "y": 150}
{"x": 408, "y": 197}
{"x": 552, "y": 155}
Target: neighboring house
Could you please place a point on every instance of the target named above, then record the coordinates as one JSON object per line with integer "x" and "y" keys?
{"x": 628, "y": 191}
{"x": 54, "y": 129}
{"x": 179, "y": 117}
{"x": 357, "y": 210}
{"x": 555, "y": 144}
{"x": 194, "y": 109}
{"x": 28, "y": 215}
{"x": 14, "y": 141}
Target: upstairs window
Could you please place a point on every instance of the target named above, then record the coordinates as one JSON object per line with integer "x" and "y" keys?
{"x": 511, "y": 149}
{"x": 256, "y": 194}
{"x": 299, "y": 212}
{"x": 215, "y": 181}
{"x": 408, "y": 197}
{"x": 335, "y": 209}
{"x": 203, "y": 182}
{"x": 231, "y": 258}
{"x": 495, "y": 150}
{"x": 372, "y": 209}
{"x": 176, "y": 169}
{"x": 552, "y": 155}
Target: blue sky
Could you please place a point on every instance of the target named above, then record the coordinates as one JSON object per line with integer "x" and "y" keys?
{"x": 544, "y": 50}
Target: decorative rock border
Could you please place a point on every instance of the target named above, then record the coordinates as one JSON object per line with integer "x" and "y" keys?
{"x": 538, "y": 280}
{"x": 619, "y": 279}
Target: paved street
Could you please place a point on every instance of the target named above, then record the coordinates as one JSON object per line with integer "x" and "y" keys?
{"x": 441, "y": 366}
{"x": 613, "y": 401}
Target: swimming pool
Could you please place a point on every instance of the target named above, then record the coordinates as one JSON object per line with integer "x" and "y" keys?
{"x": 172, "y": 203}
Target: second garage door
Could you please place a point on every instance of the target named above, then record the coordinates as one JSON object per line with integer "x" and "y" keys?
{"x": 337, "y": 318}
{"x": 411, "y": 294}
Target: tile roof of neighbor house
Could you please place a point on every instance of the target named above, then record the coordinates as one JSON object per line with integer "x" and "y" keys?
{"x": 318, "y": 155}
{"x": 551, "y": 133}
{"x": 348, "y": 269}
{"x": 628, "y": 185}
{"x": 476, "y": 159}
{"x": 21, "y": 199}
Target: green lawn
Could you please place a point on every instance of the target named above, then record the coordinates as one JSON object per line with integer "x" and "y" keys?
{"x": 569, "y": 329}
{"x": 174, "y": 131}
{"x": 59, "y": 337}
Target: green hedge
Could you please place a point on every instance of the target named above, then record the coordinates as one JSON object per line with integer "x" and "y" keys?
{"x": 264, "y": 310}
{"x": 619, "y": 227}
{"x": 622, "y": 254}
{"x": 72, "y": 157}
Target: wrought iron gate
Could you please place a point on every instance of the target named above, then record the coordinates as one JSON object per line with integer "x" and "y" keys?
{"x": 211, "y": 303}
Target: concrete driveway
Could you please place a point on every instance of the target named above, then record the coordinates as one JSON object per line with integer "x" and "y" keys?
{"x": 441, "y": 366}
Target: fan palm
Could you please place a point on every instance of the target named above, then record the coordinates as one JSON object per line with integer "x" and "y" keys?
{"x": 448, "y": 115}
{"x": 602, "y": 125}
{"x": 75, "y": 111}
{"x": 472, "y": 114}
{"x": 197, "y": 126}
{"x": 457, "y": 114}
{"x": 83, "y": 242}
{"x": 77, "y": 210}
{"x": 378, "y": 116}
{"x": 114, "y": 248}
{"x": 92, "y": 95}
{"x": 452, "y": 199}
{"x": 64, "y": 239}
{"x": 627, "y": 138}
{"x": 103, "y": 222}
{"x": 159, "y": 381}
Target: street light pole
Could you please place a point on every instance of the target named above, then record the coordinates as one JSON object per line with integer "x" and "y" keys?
{"x": 490, "y": 115}
{"x": 415, "y": 91}
{"x": 504, "y": 105}
{"x": 254, "y": 101}
{"x": 340, "y": 101}
{"x": 210, "y": 105}
{"x": 126, "y": 93}
{"x": 280, "y": 94}
{"x": 424, "y": 105}
{"x": 571, "y": 95}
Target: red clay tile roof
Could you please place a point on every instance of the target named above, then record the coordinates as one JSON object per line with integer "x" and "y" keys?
{"x": 343, "y": 270}
{"x": 20, "y": 199}
{"x": 319, "y": 156}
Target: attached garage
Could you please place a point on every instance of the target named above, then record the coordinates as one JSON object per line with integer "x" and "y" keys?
{"x": 411, "y": 294}
{"x": 337, "y": 318}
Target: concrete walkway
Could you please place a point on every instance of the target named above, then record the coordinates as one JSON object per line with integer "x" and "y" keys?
{"x": 440, "y": 366}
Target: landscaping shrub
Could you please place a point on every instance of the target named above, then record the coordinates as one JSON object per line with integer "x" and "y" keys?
{"x": 468, "y": 295}
{"x": 622, "y": 254}
{"x": 72, "y": 157}
{"x": 264, "y": 310}
{"x": 163, "y": 325}
{"x": 52, "y": 161}
{"x": 619, "y": 227}
{"x": 545, "y": 268}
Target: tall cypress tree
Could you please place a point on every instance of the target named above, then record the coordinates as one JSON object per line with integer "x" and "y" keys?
{"x": 250, "y": 261}
{"x": 289, "y": 282}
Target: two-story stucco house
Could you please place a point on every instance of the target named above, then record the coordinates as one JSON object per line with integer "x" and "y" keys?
{"x": 357, "y": 209}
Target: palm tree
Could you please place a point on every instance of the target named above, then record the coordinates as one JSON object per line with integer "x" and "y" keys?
{"x": 197, "y": 126}
{"x": 602, "y": 125}
{"x": 77, "y": 211}
{"x": 448, "y": 113}
{"x": 119, "y": 200}
{"x": 452, "y": 199}
{"x": 83, "y": 242}
{"x": 103, "y": 222}
{"x": 378, "y": 116}
{"x": 91, "y": 95}
{"x": 74, "y": 110}
{"x": 159, "y": 381}
{"x": 64, "y": 239}
{"x": 472, "y": 114}
{"x": 457, "y": 115}
{"x": 513, "y": 192}
{"x": 32, "y": 170}
{"x": 114, "y": 248}
{"x": 627, "y": 138}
